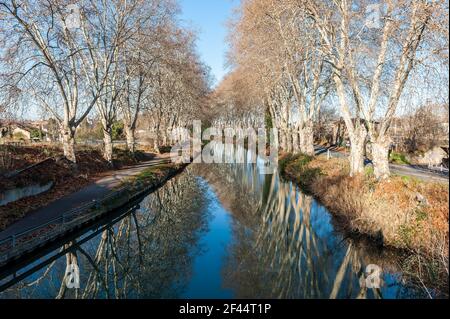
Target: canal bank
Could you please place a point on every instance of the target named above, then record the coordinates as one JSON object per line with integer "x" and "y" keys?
{"x": 216, "y": 231}
{"x": 79, "y": 208}
{"x": 402, "y": 212}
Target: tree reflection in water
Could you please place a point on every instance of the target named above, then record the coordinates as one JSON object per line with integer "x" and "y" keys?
{"x": 148, "y": 254}
{"x": 285, "y": 245}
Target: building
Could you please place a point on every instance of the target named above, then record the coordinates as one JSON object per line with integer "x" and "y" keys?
{"x": 24, "y": 130}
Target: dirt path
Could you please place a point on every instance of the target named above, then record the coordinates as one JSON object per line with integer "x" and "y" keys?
{"x": 95, "y": 191}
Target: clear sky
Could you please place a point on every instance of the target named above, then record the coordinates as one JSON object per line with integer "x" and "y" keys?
{"x": 209, "y": 18}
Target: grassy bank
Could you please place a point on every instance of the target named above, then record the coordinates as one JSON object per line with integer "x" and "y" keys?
{"x": 121, "y": 198}
{"x": 66, "y": 178}
{"x": 401, "y": 212}
{"x": 152, "y": 177}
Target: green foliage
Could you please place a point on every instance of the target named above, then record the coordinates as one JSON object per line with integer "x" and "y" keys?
{"x": 406, "y": 179}
{"x": 294, "y": 159}
{"x": 126, "y": 157}
{"x": 269, "y": 124}
{"x": 369, "y": 172}
{"x": 398, "y": 158}
{"x": 407, "y": 234}
{"x": 117, "y": 130}
{"x": 296, "y": 168}
{"x": 36, "y": 133}
{"x": 146, "y": 176}
{"x": 268, "y": 121}
{"x": 421, "y": 215}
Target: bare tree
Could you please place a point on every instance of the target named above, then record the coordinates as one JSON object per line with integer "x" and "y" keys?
{"x": 370, "y": 68}
{"x": 50, "y": 68}
{"x": 272, "y": 40}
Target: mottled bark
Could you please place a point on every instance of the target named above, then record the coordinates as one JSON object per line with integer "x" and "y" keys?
{"x": 358, "y": 142}
{"x": 156, "y": 142}
{"x": 68, "y": 135}
{"x": 296, "y": 142}
{"x": 108, "y": 145}
{"x": 380, "y": 156}
{"x": 290, "y": 144}
{"x": 283, "y": 139}
{"x": 307, "y": 140}
{"x": 131, "y": 138}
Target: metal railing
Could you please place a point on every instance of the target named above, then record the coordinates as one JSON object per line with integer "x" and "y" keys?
{"x": 32, "y": 238}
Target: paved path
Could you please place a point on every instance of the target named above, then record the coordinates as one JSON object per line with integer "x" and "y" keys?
{"x": 408, "y": 170}
{"x": 97, "y": 190}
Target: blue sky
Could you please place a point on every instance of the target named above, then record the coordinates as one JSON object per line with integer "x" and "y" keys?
{"x": 209, "y": 18}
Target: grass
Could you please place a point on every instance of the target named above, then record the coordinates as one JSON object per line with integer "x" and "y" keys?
{"x": 149, "y": 176}
{"x": 399, "y": 158}
{"x": 298, "y": 170}
{"x": 371, "y": 207}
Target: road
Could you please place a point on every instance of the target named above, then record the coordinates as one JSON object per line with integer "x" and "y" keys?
{"x": 419, "y": 172}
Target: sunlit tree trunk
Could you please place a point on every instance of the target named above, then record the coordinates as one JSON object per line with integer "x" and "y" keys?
{"x": 358, "y": 144}
{"x": 68, "y": 142}
{"x": 307, "y": 139}
{"x": 130, "y": 133}
{"x": 107, "y": 142}
{"x": 380, "y": 156}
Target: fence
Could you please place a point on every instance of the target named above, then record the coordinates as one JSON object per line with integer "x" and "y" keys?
{"x": 30, "y": 239}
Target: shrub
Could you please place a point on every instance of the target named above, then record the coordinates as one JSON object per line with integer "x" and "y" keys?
{"x": 399, "y": 158}
{"x": 118, "y": 130}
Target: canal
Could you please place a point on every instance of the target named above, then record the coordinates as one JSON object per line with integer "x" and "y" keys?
{"x": 216, "y": 231}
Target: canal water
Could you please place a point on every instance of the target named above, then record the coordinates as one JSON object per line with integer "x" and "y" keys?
{"x": 217, "y": 231}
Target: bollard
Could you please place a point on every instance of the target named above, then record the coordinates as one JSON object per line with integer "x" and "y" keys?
{"x": 328, "y": 155}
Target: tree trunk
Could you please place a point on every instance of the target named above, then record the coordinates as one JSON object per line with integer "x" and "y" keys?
{"x": 131, "y": 139}
{"x": 108, "y": 145}
{"x": 358, "y": 142}
{"x": 283, "y": 140}
{"x": 69, "y": 144}
{"x": 156, "y": 142}
{"x": 295, "y": 142}
{"x": 380, "y": 156}
{"x": 289, "y": 138}
{"x": 165, "y": 138}
{"x": 307, "y": 140}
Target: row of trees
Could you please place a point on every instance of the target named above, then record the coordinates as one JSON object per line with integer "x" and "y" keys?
{"x": 290, "y": 58}
{"x": 117, "y": 59}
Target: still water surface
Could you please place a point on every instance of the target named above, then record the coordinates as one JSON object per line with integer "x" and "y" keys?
{"x": 217, "y": 231}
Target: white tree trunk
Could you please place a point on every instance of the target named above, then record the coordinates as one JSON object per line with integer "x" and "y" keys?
{"x": 295, "y": 142}
{"x": 156, "y": 141}
{"x": 108, "y": 146}
{"x": 358, "y": 142}
{"x": 131, "y": 139}
{"x": 307, "y": 140}
{"x": 290, "y": 145}
{"x": 69, "y": 144}
{"x": 380, "y": 156}
{"x": 283, "y": 134}
{"x": 165, "y": 138}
